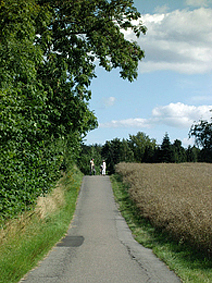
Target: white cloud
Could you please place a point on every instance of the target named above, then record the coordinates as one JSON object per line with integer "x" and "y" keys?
{"x": 180, "y": 41}
{"x": 180, "y": 115}
{"x": 109, "y": 101}
{"x": 128, "y": 123}
{"x": 176, "y": 115}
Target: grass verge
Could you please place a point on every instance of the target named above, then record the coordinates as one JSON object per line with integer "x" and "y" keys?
{"x": 27, "y": 239}
{"x": 190, "y": 265}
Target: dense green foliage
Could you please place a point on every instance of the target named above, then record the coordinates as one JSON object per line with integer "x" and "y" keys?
{"x": 202, "y": 131}
{"x": 48, "y": 53}
{"x": 138, "y": 148}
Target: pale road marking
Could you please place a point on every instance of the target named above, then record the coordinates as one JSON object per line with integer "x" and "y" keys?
{"x": 99, "y": 247}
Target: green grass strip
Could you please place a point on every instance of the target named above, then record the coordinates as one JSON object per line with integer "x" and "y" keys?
{"x": 190, "y": 265}
{"x": 22, "y": 252}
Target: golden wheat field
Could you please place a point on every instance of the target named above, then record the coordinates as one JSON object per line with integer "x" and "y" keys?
{"x": 176, "y": 198}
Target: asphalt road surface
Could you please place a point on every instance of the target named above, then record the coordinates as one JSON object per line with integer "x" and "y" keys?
{"x": 99, "y": 247}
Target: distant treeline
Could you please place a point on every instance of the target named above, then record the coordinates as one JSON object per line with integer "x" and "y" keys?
{"x": 142, "y": 149}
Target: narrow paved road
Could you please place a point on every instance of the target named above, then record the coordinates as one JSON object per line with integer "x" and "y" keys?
{"x": 99, "y": 247}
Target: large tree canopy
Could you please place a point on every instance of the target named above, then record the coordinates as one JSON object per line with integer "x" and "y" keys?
{"x": 202, "y": 132}
{"x": 48, "y": 54}
{"x": 49, "y": 50}
{"x": 81, "y": 34}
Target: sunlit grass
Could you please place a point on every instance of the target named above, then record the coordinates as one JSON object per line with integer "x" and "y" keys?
{"x": 27, "y": 239}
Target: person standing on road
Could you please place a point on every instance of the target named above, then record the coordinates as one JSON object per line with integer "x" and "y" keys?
{"x": 103, "y": 168}
{"x": 92, "y": 167}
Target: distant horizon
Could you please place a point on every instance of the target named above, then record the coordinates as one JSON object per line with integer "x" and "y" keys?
{"x": 152, "y": 138}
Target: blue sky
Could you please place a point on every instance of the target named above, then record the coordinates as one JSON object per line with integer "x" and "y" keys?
{"x": 174, "y": 85}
